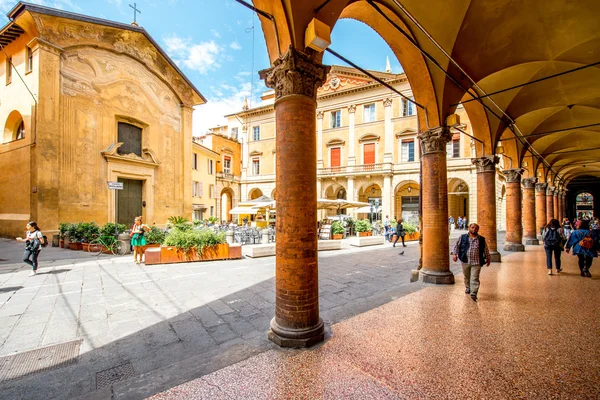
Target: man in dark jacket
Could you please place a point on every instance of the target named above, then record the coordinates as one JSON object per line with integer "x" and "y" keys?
{"x": 473, "y": 252}
{"x": 399, "y": 232}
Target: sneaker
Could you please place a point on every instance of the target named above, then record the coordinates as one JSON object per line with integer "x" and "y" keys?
{"x": 583, "y": 274}
{"x": 558, "y": 271}
{"x": 474, "y": 297}
{"x": 549, "y": 272}
{"x": 587, "y": 273}
{"x": 32, "y": 273}
{"x": 467, "y": 291}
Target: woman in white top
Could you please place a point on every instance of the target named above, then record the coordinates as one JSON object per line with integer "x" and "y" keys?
{"x": 33, "y": 246}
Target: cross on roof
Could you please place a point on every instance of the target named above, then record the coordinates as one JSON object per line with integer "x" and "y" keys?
{"x": 135, "y": 11}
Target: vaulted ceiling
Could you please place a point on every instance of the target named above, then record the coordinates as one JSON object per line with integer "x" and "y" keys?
{"x": 475, "y": 48}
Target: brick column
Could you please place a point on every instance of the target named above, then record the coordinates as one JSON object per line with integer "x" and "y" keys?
{"x": 434, "y": 192}
{"x": 549, "y": 203}
{"x": 514, "y": 225}
{"x": 561, "y": 213}
{"x": 486, "y": 202}
{"x": 529, "y": 232}
{"x": 295, "y": 78}
{"x": 540, "y": 208}
{"x": 555, "y": 203}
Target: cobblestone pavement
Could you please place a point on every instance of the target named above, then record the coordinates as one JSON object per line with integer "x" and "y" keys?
{"x": 169, "y": 323}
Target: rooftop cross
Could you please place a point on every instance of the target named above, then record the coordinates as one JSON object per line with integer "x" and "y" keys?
{"x": 135, "y": 11}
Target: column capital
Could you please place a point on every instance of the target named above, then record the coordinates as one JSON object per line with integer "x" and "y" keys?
{"x": 541, "y": 187}
{"x": 434, "y": 140}
{"x": 513, "y": 175}
{"x": 550, "y": 190}
{"x": 295, "y": 73}
{"x": 529, "y": 183}
{"x": 320, "y": 114}
{"x": 486, "y": 163}
{"x": 387, "y": 102}
{"x": 351, "y": 109}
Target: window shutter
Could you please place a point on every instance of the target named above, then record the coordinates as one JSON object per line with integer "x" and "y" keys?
{"x": 369, "y": 153}
{"x": 335, "y": 157}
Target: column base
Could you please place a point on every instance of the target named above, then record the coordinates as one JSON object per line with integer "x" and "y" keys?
{"x": 495, "y": 256}
{"x": 437, "y": 277}
{"x": 296, "y": 338}
{"x": 514, "y": 247}
{"x": 531, "y": 242}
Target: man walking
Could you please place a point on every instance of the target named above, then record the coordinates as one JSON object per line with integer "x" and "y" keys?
{"x": 473, "y": 252}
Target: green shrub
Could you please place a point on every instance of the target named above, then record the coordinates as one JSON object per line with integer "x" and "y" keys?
{"x": 337, "y": 228}
{"x": 108, "y": 229}
{"x": 363, "y": 225}
{"x": 213, "y": 220}
{"x": 349, "y": 222}
{"x": 88, "y": 231}
{"x": 409, "y": 228}
{"x": 176, "y": 220}
{"x": 193, "y": 238}
{"x": 155, "y": 235}
{"x": 64, "y": 229}
{"x": 197, "y": 222}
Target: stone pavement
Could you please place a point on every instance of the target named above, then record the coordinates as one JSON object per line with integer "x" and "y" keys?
{"x": 530, "y": 336}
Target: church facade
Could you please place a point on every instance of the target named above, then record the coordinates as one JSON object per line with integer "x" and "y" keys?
{"x": 86, "y": 102}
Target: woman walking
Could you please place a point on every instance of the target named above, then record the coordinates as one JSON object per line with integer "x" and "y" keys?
{"x": 553, "y": 238}
{"x": 33, "y": 246}
{"x": 138, "y": 241}
{"x": 399, "y": 232}
{"x": 584, "y": 247}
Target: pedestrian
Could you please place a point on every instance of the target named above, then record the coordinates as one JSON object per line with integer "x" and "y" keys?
{"x": 473, "y": 252}
{"x": 554, "y": 239}
{"x": 33, "y": 245}
{"x": 386, "y": 227}
{"x": 459, "y": 222}
{"x": 584, "y": 246}
{"x": 567, "y": 227}
{"x": 465, "y": 222}
{"x": 451, "y": 222}
{"x": 399, "y": 232}
{"x": 138, "y": 241}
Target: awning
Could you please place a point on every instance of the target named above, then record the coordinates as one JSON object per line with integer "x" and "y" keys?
{"x": 243, "y": 210}
{"x": 200, "y": 207}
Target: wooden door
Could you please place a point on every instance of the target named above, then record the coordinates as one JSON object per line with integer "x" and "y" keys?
{"x": 129, "y": 201}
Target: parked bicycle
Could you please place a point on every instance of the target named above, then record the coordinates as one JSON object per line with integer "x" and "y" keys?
{"x": 107, "y": 244}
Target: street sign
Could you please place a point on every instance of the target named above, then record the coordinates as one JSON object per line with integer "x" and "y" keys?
{"x": 115, "y": 185}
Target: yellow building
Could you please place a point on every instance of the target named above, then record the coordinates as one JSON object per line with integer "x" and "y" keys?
{"x": 367, "y": 148}
{"x": 87, "y": 101}
{"x": 204, "y": 164}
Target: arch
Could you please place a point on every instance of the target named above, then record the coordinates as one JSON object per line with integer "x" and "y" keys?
{"x": 274, "y": 194}
{"x": 254, "y": 194}
{"x": 584, "y": 204}
{"x": 406, "y": 201}
{"x": 226, "y": 199}
{"x": 458, "y": 199}
{"x": 335, "y": 142}
{"x": 369, "y": 137}
{"x": 14, "y": 127}
{"x": 331, "y": 190}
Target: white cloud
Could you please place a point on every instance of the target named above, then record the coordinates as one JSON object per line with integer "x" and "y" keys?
{"x": 215, "y": 33}
{"x": 201, "y": 57}
{"x": 235, "y": 46}
{"x": 229, "y": 100}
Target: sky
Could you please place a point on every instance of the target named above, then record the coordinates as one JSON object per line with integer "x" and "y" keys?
{"x": 219, "y": 46}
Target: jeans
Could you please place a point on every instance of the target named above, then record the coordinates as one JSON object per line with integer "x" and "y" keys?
{"x": 585, "y": 262}
{"x": 557, "y": 251}
{"x": 30, "y": 257}
{"x": 471, "y": 275}
{"x": 398, "y": 237}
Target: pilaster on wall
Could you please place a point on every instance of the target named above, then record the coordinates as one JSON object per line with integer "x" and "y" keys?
{"x": 388, "y": 155}
{"x": 351, "y": 145}
{"x": 320, "y": 140}
{"x": 45, "y": 166}
{"x": 186, "y": 159}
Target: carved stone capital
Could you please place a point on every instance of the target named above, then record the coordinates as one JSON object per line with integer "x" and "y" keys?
{"x": 529, "y": 183}
{"x": 351, "y": 109}
{"x": 295, "y": 73}
{"x": 387, "y": 102}
{"x": 434, "y": 140}
{"x": 320, "y": 114}
{"x": 513, "y": 175}
{"x": 541, "y": 187}
{"x": 550, "y": 190}
{"x": 485, "y": 163}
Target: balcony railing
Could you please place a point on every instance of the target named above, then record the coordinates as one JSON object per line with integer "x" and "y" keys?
{"x": 363, "y": 169}
{"x": 228, "y": 177}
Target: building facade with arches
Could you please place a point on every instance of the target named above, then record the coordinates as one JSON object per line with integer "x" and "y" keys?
{"x": 86, "y": 101}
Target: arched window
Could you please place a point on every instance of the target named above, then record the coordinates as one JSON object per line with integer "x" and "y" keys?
{"x": 14, "y": 128}
{"x": 19, "y": 132}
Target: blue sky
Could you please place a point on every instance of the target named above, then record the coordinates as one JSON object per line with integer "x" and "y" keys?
{"x": 215, "y": 45}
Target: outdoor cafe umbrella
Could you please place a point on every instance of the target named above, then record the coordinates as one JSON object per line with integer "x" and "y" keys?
{"x": 339, "y": 204}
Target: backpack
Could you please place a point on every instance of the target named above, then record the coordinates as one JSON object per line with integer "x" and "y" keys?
{"x": 552, "y": 238}
{"x": 45, "y": 244}
{"x": 587, "y": 242}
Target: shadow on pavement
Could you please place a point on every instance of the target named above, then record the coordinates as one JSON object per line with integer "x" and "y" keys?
{"x": 10, "y": 289}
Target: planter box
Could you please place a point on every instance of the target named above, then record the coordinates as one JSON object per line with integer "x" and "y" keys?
{"x": 85, "y": 247}
{"x": 152, "y": 256}
{"x": 408, "y": 237}
{"x": 366, "y": 241}
{"x": 76, "y": 246}
{"x": 363, "y": 234}
{"x": 337, "y": 236}
{"x": 170, "y": 254}
{"x": 150, "y": 246}
{"x": 62, "y": 243}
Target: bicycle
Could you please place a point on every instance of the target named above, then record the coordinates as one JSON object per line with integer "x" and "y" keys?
{"x": 107, "y": 243}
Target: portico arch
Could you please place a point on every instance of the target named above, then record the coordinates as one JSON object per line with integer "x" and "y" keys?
{"x": 406, "y": 201}
{"x": 254, "y": 194}
{"x": 226, "y": 204}
{"x": 458, "y": 199}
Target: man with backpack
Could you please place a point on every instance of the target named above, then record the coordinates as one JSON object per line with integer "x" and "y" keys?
{"x": 584, "y": 243}
{"x": 473, "y": 252}
{"x": 553, "y": 238}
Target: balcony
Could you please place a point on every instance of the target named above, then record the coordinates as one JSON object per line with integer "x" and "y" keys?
{"x": 228, "y": 177}
{"x": 362, "y": 169}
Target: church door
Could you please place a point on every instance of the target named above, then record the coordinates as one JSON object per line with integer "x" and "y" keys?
{"x": 129, "y": 201}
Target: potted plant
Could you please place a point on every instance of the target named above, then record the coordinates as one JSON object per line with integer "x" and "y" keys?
{"x": 337, "y": 230}
{"x": 76, "y": 236}
{"x": 155, "y": 237}
{"x": 363, "y": 227}
{"x": 193, "y": 245}
{"x": 89, "y": 232}
{"x": 411, "y": 231}
{"x": 62, "y": 232}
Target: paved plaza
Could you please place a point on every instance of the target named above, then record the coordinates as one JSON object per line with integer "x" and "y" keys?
{"x": 165, "y": 324}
